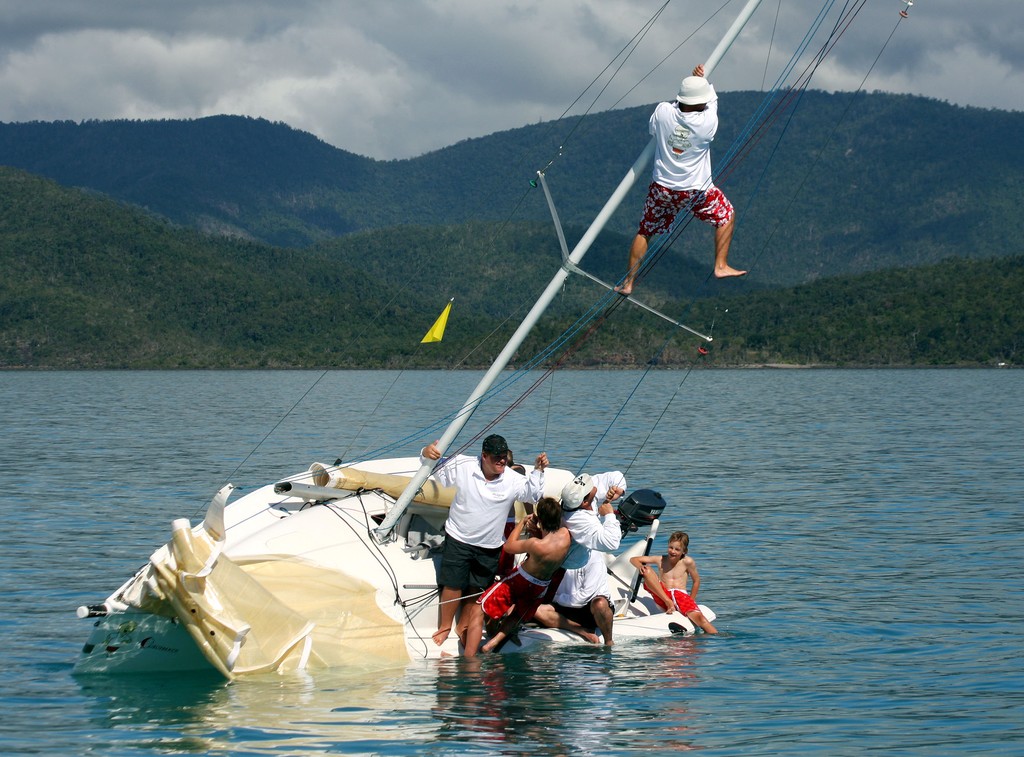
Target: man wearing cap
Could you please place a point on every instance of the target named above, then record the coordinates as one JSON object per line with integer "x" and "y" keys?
{"x": 683, "y": 132}
{"x": 582, "y": 600}
{"x": 474, "y": 531}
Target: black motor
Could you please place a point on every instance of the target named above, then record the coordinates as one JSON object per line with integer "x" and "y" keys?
{"x": 640, "y": 508}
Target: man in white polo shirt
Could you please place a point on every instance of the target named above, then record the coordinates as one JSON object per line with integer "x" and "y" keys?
{"x": 475, "y": 529}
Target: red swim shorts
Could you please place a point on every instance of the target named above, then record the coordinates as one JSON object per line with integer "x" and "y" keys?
{"x": 684, "y": 602}
{"x": 520, "y": 589}
{"x": 663, "y": 204}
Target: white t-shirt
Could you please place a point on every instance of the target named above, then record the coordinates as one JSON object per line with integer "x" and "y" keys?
{"x": 682, "y": 158}
{"x": 580, "y": 586}
{"x": 477, "y": 515}
{"x": 591, "y": 531}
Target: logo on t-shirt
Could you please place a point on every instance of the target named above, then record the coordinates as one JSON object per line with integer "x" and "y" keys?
{"x": 679, "y": 141}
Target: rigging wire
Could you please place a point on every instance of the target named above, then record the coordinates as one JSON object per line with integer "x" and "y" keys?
{"x": 657, "y": 421}
{"x": 575, "y": 335}
{"x": 547, "y": 415}
{"x": 827, "y": 140}
{"x": 631, "y": 46}
{"x": 281, "y": 420}
{"x": 771, "y": 43}
{"x": 744, "y": 145}
{"x": 674, "y": 50}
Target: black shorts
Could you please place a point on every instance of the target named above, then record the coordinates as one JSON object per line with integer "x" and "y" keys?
{"x": 466, "y": 567}
{"x": 581, "y": 615}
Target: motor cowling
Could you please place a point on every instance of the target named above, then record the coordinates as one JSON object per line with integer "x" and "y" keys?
{"x": 641, "y": 508}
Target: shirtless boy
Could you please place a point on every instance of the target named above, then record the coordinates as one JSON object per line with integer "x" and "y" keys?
{"x": 514, "y": 599}
{"x": 667, "y": 582}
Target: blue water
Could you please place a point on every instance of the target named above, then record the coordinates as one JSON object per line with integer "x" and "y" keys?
{"x": 859, "y": 533}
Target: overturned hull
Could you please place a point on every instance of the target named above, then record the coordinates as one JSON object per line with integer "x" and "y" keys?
{"x": 292, "y": 577}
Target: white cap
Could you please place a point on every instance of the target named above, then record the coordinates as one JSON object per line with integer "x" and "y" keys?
{"x": 574, "y": 492}
{"x": 694, "y": 90}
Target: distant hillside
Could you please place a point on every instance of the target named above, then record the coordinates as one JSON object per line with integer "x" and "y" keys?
{"x": 856, "y": 183}
{"x": 91, "y": 283}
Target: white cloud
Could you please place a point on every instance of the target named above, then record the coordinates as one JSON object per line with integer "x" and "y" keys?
{"x": 395, "y": 78}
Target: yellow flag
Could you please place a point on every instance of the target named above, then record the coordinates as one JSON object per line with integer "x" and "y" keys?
{"x": 437, "y": 330}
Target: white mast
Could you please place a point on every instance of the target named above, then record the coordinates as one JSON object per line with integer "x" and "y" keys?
{"x": 502, "y": 360}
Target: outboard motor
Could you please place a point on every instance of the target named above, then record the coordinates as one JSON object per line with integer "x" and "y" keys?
{"x": 641, "y": 508}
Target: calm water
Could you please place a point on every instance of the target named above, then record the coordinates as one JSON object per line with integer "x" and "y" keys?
{"x": 859, "y": 534}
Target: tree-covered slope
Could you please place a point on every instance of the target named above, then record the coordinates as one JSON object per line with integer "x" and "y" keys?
{"x": 91, "y": 283}
{"x": 838, "y": 183}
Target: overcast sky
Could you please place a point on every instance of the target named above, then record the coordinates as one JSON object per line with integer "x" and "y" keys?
{"x": 397, "y": 78}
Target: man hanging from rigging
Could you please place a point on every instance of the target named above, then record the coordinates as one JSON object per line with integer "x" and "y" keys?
{"x": 683, "y": 132}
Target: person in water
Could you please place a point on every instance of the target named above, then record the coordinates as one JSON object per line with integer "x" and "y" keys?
{"x": 666, "y": 577}
{"x": 683, "y": 132}
{"x": 474, "y": 531}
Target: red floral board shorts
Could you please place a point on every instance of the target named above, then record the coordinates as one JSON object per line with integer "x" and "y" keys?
{"x": 684, "y": 602}
{"x": 663, "y": 204}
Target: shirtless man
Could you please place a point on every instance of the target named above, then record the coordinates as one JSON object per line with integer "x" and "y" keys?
{"x": 514, "y": 599}
{"x": 667, "y": 582}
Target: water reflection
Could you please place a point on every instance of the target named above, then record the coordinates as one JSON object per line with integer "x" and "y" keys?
{"x": 271, "y": 714}
{"x": 152, "y": 709}
{"x": 577, "y": 700}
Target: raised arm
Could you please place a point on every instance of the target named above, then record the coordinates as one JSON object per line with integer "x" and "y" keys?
{"x": 445, "y": 471}
{"x": 514, "y": 545}
{"x": 533, "y": 487}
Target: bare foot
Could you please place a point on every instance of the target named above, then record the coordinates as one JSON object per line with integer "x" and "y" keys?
{"x": 441, "y": 635}
{"x": 726, "y": 271}
{"x": 593, "y": 638}
{"x": 625, "y": 289}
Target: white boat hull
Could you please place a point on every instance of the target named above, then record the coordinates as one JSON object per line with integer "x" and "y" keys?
{"x": 294, "y": 584}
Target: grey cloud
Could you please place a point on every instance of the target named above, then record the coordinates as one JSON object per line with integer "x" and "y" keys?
{"x": 394, "y": 78}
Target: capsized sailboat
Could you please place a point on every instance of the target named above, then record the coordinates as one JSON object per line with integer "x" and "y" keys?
{"x": 336, "y": 565}
{"x": 291, "y": 576}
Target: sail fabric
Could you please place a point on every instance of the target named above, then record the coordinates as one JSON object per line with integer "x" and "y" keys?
{"x": 273, "y": 612}
{"x": 238, "y": 625}
{"x": 354, "y": 479}
{"x": 349, "y": 628}
{"x": 436, "y": 332}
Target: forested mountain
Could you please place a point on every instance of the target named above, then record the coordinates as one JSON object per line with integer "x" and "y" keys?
{"x": 91, "y": 283}
{"x": 843, "y": 184}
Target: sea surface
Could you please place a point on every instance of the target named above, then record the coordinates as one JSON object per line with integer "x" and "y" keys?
{"x": 859, "y": 534}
